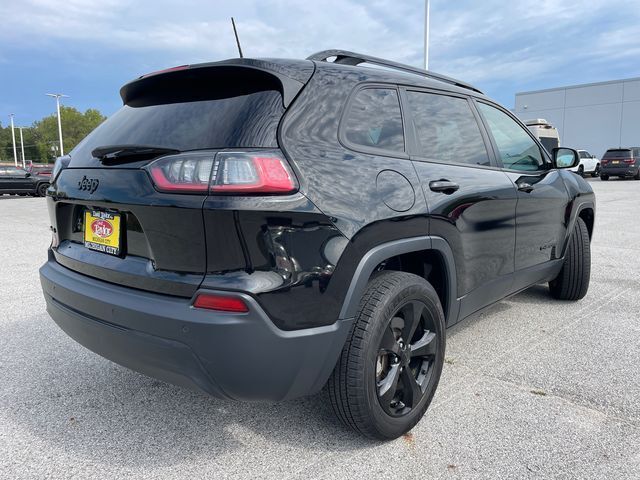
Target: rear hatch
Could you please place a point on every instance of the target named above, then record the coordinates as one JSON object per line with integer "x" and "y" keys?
{"x": 128, "y": 207}
{"x": 617, "y": 158}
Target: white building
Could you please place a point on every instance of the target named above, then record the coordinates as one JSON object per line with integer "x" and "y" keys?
{"x": 593, "y": 117}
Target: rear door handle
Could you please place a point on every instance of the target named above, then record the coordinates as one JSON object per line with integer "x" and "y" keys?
{"x": 525, "y": 187}
{"x": 444, "y": 186}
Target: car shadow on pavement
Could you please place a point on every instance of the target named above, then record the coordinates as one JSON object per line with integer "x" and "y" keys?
{"x": 84, "y": 405}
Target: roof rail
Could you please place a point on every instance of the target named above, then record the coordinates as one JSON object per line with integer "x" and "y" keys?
{"x": 345, "y": 57}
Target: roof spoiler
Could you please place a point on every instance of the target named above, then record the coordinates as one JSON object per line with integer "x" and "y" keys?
{"x": 290, "y": 82}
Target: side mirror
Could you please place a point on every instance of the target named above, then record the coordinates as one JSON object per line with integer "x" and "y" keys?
{"x": 565, "y": 157}
{"x": 27, "y": 174}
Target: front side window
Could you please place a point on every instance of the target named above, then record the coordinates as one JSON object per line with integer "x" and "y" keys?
{"x": 447, "y": 130}
{"x": 374, "y": 120}
{"x": 516, "y": 148}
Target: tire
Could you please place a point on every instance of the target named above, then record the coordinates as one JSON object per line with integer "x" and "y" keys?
{"x": 637, "y": 175}
{"x": 42, "y": 189}
{"x": 596, "y": 172}
{"x": 604, "y": 177}
{"x": 372, "y": 390}
{"x": 581, "y": 171}
{"x": 572, "y": 282}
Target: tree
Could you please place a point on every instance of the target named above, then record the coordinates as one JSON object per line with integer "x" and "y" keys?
{"x": 75, "y": 126}
{"x": 43, "y": 134}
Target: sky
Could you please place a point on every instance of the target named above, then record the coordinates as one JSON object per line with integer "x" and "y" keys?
{"x": 88, "y": 49}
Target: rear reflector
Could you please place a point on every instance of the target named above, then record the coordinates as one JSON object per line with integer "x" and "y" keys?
{"x": 221, "y": 303}
{"x": 226, "y": 172}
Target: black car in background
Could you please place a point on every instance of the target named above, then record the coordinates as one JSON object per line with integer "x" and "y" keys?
{"x": 620, "y": 162}
{"x": 17, "y": 181}
{"x": 261, "y": 228}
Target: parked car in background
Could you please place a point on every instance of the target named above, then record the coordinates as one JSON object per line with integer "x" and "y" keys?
{"x": 621, "y": 162}
{"x": 545, "y": 132}
{"x": 318, "y": 223}
{"x": 17, "y": 181}
{"x": 589, "y": 164}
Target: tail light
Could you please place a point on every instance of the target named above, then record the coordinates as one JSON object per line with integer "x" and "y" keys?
{"x": 605, "y": 162}
{"x": 221, "y": 303}
{"x": 226, "y": 172}
{"x": 629, "y": 161}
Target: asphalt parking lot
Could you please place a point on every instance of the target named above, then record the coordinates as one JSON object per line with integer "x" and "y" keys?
{"x": 532, "y": 388}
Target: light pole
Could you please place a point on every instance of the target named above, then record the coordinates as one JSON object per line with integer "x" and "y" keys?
{"x": 57, "y": 96}
{"x": 426, "y": 35}
{"x": 24, "y": 163}
{"x": 13, "y": 137}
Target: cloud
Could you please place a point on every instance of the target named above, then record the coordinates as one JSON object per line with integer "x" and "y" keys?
{"x": 501, "y": 46}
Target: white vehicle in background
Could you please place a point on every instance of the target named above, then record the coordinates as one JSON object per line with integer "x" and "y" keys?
{"x": 589, "y": 164}
{"x": 550, "y": 139}
{"x": 545, "y": 132}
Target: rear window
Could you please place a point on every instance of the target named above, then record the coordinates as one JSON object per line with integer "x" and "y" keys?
{"x": 374, "y": 120}
{"x": 618, "y": 153}
{"x": 249, "y": 119}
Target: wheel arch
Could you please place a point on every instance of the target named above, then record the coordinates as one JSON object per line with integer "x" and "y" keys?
{"x": 587, "y": 213}
{"x": 426, "y": 247}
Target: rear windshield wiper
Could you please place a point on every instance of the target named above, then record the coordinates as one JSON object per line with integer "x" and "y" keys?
{"x": 110, "y": 153}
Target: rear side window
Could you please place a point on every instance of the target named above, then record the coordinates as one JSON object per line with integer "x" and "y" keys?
{"x": 618, "y": 153}
{"x": 232, "y": 120}
{"x": 518, "y": 151}
{"x": 374, "y": 120}
{"x": 447, "y": 130}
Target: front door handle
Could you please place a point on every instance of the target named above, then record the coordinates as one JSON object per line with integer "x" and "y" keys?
{"x": 444, "y": 186}
{"x": 525, "y": 187}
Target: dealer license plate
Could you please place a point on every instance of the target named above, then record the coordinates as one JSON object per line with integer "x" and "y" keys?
{"x": 102, "y": 231}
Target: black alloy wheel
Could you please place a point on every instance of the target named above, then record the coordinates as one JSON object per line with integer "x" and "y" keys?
{"x": 42, "y": 189}
{"x": 405, "y": 359}
{"x": 391, "y": 362}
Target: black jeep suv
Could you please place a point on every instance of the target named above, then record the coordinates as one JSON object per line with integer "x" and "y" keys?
{"x": 261, "y": 228}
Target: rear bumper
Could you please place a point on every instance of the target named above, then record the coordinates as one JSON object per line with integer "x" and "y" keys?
{"x": 237, "y": 356}
{"x": 620, "y": 171}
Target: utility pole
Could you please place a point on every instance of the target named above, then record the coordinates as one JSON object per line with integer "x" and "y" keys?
{"x": 426, "y": 35}
{"x": 13, "y": 137}
{"x": 24, "y": 163}
{"x": 57, "y": 96}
